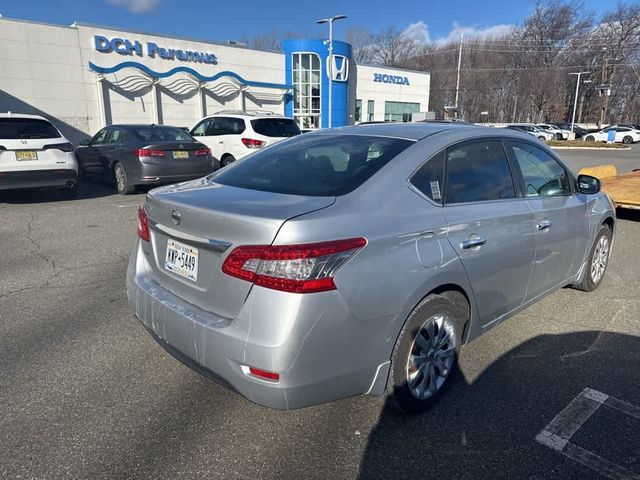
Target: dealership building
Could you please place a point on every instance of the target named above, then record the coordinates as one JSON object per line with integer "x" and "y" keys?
{"x": 84, "y": 77}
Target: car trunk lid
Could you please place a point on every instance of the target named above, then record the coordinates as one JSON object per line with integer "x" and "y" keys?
{"x": 214, "y": 219}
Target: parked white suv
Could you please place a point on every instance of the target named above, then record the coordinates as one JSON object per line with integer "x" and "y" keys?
{"x": 33, "y": 154}
{"x": 232, "y": 135}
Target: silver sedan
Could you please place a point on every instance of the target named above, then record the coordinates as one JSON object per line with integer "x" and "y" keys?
{"x": 360, "y": 260}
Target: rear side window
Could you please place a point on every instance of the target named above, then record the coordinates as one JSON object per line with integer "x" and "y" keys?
{"x": 313, "y": 165}
{"x": 543, "y": 175}
{"x": 25, "y": 128}
{"x": 157, "y": 133}
{"x": 226, "y": 126}
{"x": 429, "y": 177}
{"x": 478, "y": 172}
{"x": 275, "y": 127}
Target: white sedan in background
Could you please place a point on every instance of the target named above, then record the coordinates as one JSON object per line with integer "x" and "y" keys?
{"x": 557, "y": 133}
{"x": 532, "y": 130}
{"x": 622, "y": 135}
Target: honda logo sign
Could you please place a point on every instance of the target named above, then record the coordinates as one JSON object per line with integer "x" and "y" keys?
{"x": 338, "y": 69}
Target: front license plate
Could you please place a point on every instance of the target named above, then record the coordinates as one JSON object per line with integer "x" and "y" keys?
{"x": 180, "y": 154}
{"x": 182, "y": 260}
{"x": 26, "y": 155}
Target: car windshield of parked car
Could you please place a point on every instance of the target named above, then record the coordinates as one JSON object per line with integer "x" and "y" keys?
{"x": 25, "y": 128}
{"x": 161, "y": 134}
{"x": 314, "y": 165}
{"x": 275, "y": 127}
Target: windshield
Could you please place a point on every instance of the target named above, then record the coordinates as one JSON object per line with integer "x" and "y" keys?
{"x": 314, "y": 165}
{"x": 275, "y": 127}
{"x": 156, "y": 133}
{"x": 24, "y": 128}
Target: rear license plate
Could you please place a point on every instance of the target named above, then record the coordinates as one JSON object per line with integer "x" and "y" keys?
{"x": 26, "y": 155}
{"x": 180, "y": 154}
{"x": 182, "y": 260}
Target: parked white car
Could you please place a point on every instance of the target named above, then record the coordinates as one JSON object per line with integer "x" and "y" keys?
{"x": 34, "y": 154}
{"x": 558, "y": 133}
{"x": 532, "y": 130}
{"x": 623, "y": 135}
{"x": 232, "y": 135}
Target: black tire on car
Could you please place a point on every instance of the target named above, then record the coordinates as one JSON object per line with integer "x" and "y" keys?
{"x": 123, "y": 185}
{"x": 597, "y": 261}
{"x": 590, "y": 138}
{"x": 627, "y": 140}
{"x": 425, "y": 355}
{"x": 226, "y": 160}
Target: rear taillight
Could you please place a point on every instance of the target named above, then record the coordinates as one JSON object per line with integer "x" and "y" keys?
{"x": 149, "y": 152}
{"x": 304, "y": 268}
{"x": 143, "y": 224}
{"x": 203, "y": 151}
{"x": 65, "y": 147}
{"x": 252, "y": 143}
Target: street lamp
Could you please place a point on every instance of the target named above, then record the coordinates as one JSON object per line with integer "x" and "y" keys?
{"x": 330, "y": 21}
{"x": 575, "y": 100}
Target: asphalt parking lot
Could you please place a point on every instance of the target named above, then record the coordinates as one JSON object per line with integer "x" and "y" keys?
{"x": 86, "y": 393}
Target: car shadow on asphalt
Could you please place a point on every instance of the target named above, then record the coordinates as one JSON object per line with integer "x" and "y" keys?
{"x": 87, "y": 190}
{"x": 486, "y": 428}
{"x": 628, "y": 214}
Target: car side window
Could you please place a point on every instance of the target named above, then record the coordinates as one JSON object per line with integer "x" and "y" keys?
{"x": 100, "y": 136}
{"x": 236, "y": 126}
{"x": 218, "y": 126}
{"x": 429, "y": 177}
{"x": 477, "y": 171}
{"x": 543, "y": 175}
{"x": 115, "y": 136}
{"x": 200, "y": 130}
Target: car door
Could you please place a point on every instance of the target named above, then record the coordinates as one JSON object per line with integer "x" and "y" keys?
{"x": 211, "y": 132}
{"x": 622, "y": 132}
{"x": 114, "y": 151}
{"x": 89, "y": 157}
{"x": 490, "y": 225}
{"x": 559, "y": 216}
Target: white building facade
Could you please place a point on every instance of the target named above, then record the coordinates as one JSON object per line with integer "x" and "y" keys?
{"x": 84, "y": 77}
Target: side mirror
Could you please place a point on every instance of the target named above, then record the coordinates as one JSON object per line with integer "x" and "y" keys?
{"x": 84, "y": 142}
{"x": 588, "y": 184}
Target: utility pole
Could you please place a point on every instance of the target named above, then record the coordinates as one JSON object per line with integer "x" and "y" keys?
{"x": 458, "y": 75}
{"x": 603, "y": 80}
{"x": 575, "y": 100}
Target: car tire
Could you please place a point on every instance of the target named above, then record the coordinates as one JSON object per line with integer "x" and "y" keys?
{"x": 70, "y": 192}
{"x": 434, "y": 327}
{"x": 628, "y": 140}
{"x": 598, "y": 261}
{"x": 226, "y": 160}
{"x": 590, "y": 138}
{"x": 123, "y": 185}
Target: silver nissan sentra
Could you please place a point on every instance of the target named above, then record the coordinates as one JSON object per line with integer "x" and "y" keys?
{"x": 360, "y": 260}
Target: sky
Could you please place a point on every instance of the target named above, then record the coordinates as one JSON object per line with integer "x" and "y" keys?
{"x": 219, "y": 21}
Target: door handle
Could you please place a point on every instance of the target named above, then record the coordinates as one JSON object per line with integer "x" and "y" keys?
{"x": 473, "y": 242}
{"x": 543, "y": 225}
{"x": 220, "y": 143}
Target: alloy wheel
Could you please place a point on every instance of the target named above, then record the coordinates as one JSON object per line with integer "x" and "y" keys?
{"x": 431, "y": 357}
{"x": 600, "y": 258}
{"x": 120, "y": 178}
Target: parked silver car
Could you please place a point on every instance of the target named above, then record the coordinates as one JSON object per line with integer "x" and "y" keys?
{"x": 359, "y": 260}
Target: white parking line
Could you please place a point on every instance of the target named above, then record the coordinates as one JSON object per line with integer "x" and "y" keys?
{"x": 557, "y": 434}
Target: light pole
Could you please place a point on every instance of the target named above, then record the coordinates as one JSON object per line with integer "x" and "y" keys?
{"x": 575, "y": 100}
{"x": 330, "y": 21}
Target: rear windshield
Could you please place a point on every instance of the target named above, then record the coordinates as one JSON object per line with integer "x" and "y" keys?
{"x": 275, "y": 127}
{"x": 23, "y": 128}
{"x": 313, "y": 165}
{"x": 159, "y": 133}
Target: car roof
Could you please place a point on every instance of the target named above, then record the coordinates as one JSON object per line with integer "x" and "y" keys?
{"x": 246, "y": 114}
{"x": 22, "y": 115}
{"x": 409, "y": 130}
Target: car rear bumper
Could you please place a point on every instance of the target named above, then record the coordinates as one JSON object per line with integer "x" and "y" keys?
{"x": 150, "y": 174}
{"x": 38, "y": 178}
{"x": 312, "y": 343}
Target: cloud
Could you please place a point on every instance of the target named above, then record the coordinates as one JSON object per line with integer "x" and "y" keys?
{"x": 137, "y": 6}
{"x": 417, "y": 32}
{"x": 475, "y": 33}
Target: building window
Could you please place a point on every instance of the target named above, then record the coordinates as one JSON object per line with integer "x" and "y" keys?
{"x": 358, "y": 110}
{"x": 306, "y": 90}
{"x": 370, "y": 107}
{"x": 399, "y": 111}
